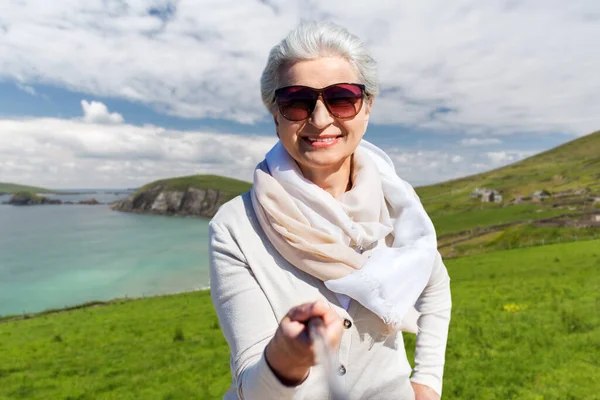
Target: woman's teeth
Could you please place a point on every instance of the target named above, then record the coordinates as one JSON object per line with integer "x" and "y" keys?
{"x": 329, "y": 139}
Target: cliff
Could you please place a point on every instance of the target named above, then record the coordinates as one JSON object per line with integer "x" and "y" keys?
{"x": 198, "y": 195}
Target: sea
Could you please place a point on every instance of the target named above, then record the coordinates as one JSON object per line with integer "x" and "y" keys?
{"x": 53, "y": 256}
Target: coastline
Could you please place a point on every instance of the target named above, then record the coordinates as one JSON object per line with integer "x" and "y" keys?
{"x": 93, "y": 303}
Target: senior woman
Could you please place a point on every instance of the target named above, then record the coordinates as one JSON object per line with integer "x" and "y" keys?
{"x": 328, "y": 231}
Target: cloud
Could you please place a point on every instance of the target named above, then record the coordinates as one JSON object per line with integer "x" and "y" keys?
{"x": 468, "y": 66}
{"x": 96, "y": 112}
{"x": 423, "y": 167}
{"x": 505, "y": 157}
{"x": 498, "y": 157}
{"x": 479, "y": 141}
{"x": 63, "y": 153}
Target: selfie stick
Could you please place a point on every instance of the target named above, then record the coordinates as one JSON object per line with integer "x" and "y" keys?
{"x": 326, "y": 357}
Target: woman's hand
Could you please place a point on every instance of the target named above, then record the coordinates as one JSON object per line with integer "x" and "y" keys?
{"x": 290, "y": 353}
{"x": 423, "y": 392}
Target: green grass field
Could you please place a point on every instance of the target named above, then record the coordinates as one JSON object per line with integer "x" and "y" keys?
{"x": 167, "y": 347}
{"x": 525, "y": 325}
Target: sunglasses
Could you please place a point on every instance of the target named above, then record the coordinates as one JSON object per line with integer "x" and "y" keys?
{"x": 297, "y": 103}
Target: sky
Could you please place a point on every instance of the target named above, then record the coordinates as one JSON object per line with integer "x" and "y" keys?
{"x": 118, "y": 93}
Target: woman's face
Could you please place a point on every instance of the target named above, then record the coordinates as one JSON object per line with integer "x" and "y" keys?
{"x": 294, "y": 135}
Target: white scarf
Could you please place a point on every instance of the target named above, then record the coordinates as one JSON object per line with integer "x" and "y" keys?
{"x": 314, "y": 231}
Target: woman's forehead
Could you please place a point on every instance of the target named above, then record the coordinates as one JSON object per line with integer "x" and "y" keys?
{"x": 318, "y": 73}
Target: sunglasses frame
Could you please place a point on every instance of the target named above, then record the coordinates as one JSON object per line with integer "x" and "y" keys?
{"x": 319, "y": 93}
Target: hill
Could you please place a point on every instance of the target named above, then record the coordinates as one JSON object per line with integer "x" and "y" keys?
{"x": 11, "y": 188}
{"x": 551, "y": 197}
{"x": 200, "y": 195}
{"x": 226, "y": 185}
{"x": 572, "y": 168}
{"x": 515, "y": 314}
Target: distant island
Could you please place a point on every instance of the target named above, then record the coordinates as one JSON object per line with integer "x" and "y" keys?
{"x": 30, "y": 199}
{"x": 198, "y": 195}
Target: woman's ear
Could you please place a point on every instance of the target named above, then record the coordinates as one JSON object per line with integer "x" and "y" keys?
{"x": 369, "y": 104}
{"x": 276, "y": 124}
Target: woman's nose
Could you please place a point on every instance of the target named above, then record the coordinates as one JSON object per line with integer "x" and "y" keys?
{"x": 320, "y": 117}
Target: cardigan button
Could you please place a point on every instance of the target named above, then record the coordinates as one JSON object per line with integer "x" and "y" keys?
{"x": 347, "y": 323}
{"x": 342, "y": 370}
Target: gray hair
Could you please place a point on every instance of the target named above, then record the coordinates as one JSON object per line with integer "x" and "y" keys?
{"x": 312, "y": 40}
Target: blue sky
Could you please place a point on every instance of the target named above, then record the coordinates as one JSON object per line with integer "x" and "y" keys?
{"x": 118, "y": 93}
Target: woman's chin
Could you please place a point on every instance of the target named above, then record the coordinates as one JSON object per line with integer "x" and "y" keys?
{"x": 322, "y": 160}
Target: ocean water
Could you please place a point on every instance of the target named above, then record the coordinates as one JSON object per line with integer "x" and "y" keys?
{"x": 59, "y": 255}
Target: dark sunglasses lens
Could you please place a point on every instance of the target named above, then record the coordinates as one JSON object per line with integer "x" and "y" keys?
{"x": 296, "y": 104}
{"x": 344, "y": 100}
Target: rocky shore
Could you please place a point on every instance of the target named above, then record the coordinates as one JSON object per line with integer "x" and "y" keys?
{"x": 160, "y": 199}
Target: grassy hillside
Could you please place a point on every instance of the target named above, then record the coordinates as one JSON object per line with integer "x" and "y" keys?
{"x": 228, "y": 185}
{"x": 570, "y": 173}
{"x": 14, "y": 188}
{"x": 525, "y": 325}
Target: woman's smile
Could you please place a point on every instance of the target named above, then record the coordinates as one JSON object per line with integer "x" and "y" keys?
{"x": 320, "y": 142}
